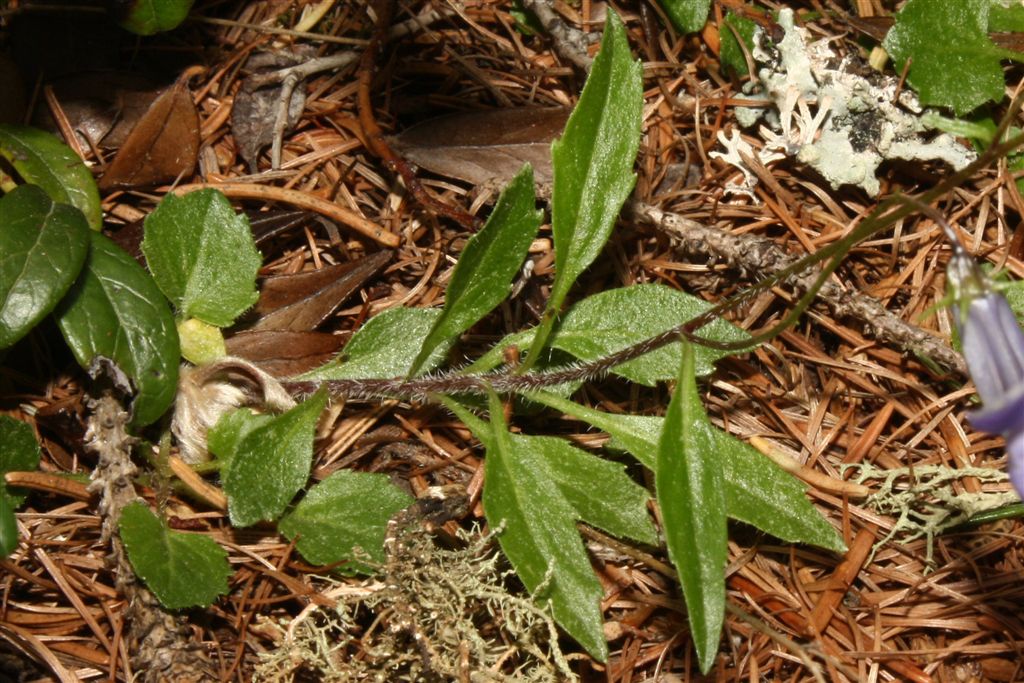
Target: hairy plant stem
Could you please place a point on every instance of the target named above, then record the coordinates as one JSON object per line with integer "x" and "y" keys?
{"x": 885, "y": 215}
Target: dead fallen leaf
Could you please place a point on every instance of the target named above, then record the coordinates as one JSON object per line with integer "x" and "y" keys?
{"x": 483, "y": 147}
{"x": 103, "y": 107}
{"x": 285, "y": 353}
{"x": 162, "y": 146}
{"x": 255, "y": 109}
{"x": 302, "y": 301}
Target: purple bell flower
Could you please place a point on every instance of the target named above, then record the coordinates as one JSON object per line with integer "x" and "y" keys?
{"x": 993, "y": 346}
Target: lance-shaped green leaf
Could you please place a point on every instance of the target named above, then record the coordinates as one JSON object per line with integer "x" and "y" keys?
{"x": 115, "y": 310}
{"x": 690, "y": 487}
{"x": 593, "y": 167}
{"x": 953, "y": 62}
{"x": 345, "y": 512}
{"x": 271, "y": 462}
{"x": 43, "y": 246}
{"x": 19, "y": 452}
{"x": 539, "y": 535}
{"x": 688, "y": 16}
{"x": 618, "y": 318}
{"x": 182, "y": 569}
{"x": 42, "y": 159}
{"x": 146, "y": 17}
{"x": 492, "y": 257}
{"x": 600, "y": 491}
{"x": 385, "y": 347}
{"x": 757, "y": 491}
{"x": 202, "y": 256}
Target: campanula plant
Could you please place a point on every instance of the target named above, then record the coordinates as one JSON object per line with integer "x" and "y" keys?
{"x": 993, "y": 346}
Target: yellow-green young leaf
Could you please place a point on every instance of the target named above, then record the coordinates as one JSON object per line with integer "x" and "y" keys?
{"x": 146, "y": 17}
{"x": 953, "y": 63}
{"x": 19, "y": 452}
{"x": 539, "y": 535}
{"x": 690, "y": 487}
{"x": 385, "y": 347}
{"x": 345, "y": 512}
{"x": 271, "y": 462}
{"x": 201, "y": 343}
{"x": 115, "y": 310}
{"x": 688, "y": 16}
{"x": 182, "y": 569}
{"x": 42, "y": 159}
{"x": 618, "y": 318}
{"x": 593, "y": 167}
{"x": 489, "y": 262}
{"x": 757, "y": 491}
{"x": 42, "y": 249}
{"x": 203, "y": 257}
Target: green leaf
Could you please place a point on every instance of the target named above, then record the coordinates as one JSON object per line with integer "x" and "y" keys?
{"x": 687, "y": 16}
{"x": 146, "y": 17}
{"x": 271, "y": 463}
{"x": 385, "y": 347}
{"x": 732, "y": 53}
{"x": 19, "y": 452}
{"x": 42, "y": 249}
{"x": 689, "y": 484}
{"x": 593, "y": 167}
{"x": 953, "y": 61}
{"x": 182, "y": 569}
{"x": 346, "y": 511}
{"x": 202, "y": 256}
{"x": 115, "y": 310}
{"x": 1008, "y": 17}
{"x": 223, "y": 438}
{"x": 491, "y": 259}
{"x": 600, "y": 492}
{"x": 757, "y": 491}
{"x": 539, "y": 536}
{"x": 616, "y": 319}
{"x": 42, "y": 159}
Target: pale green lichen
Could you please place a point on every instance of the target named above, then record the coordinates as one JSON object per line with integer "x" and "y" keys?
{"x": 834, "y": 114}
{"x": 438, "y": 615}
{"x": 924, "y": 501}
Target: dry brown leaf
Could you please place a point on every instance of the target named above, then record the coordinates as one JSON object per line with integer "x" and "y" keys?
{"x": 482, "y": 147}
{"x": 300, "y": 302}
{"x": 162, "y": 147}
{"x": 285, "y": 353}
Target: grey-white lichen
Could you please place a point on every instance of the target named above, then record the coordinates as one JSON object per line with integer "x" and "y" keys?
{"x": 832, "y": 113}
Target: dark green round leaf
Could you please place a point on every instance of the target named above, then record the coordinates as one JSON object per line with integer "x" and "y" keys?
{"x": 202, "y": 256}
{"x": 42, "y": 249}
{"x": 345, "y": 511}
{"x": 115, "y": 310}
{"x": 182, "y": 569}
{"x": 19, "y": 452}
{"x": 146, "y": 17}
{"x": 271, "y": 462}
{"x": 41, "y": 159}
{"x": 953, "y": 62}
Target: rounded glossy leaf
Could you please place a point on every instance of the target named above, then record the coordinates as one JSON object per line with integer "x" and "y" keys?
{"x": 146, "y": 17}
{"x": 42, "y": 249}
{"x": 115, "y": 310}
{"x": 41, "y": 159}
